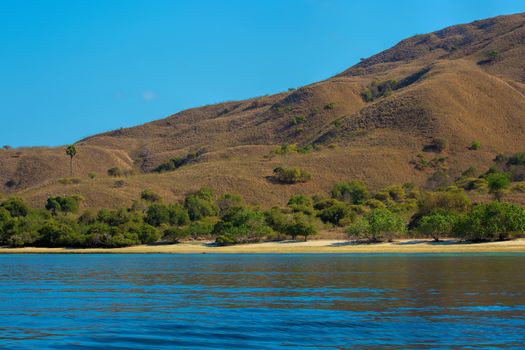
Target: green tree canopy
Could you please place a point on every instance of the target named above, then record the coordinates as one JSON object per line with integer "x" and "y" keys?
{"x": 491, "y": 221}
{"x": 354, "y": 192}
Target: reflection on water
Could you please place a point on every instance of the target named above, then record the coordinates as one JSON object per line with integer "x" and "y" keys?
{"x": 262, "y": 301}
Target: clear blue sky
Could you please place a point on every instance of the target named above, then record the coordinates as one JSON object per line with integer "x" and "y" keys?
{"x": 69, "y": 69}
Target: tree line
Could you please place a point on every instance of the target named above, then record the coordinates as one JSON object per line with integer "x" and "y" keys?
{"x": 392, "y": 212}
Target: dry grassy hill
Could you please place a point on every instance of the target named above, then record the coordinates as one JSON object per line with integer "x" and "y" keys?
{"x": 459, "y": 84}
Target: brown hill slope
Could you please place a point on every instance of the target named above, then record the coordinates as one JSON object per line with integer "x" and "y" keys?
{"x": 459, "y": 84}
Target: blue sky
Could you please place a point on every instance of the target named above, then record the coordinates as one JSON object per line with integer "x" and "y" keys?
{"x": 69, "y": 69}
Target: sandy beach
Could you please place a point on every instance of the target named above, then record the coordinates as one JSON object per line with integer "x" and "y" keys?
{"x": 314, "y": 246}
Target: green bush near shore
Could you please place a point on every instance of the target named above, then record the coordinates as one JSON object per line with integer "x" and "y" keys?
{"x": 389, "y": 213}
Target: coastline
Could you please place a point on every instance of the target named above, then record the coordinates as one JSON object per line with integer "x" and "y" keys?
{"x": 290, "y": 247}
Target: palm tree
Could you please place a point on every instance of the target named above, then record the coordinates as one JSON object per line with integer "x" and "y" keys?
{"x": 71, "y": 151}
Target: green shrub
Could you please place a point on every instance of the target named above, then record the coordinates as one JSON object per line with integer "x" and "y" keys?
{"x": 15, "y": 206}
{"x": 119, "y": 184}
{"x": 492, "y": 221}
{"x": 157, "y": 214}
{"x": 69, "y": 181}
{"x": 354, "y": 192}
{"x": 175, "y": 234}
{"x": 367, "y": 95}
{"x": 471, "y": 184}
{"x": 359, "y": 229}
{"x": 200, "y": 204}
{"x": 177, "y": 162}
{"x": 55, "y": 234}
{"x": 437, "y": 145}
{"x": 293, "y": 148}
{"x": 201, "y": 228}
{"x": 516, "y": 159}
{"x": 285, "y": 148}
{"x": 329, "y": 106}
{"x": 448, "y": 201}
{"x": 301, "y": 203}
{"x": 150, "y": 196}
{"x": 379, "y": 89}
{"x": 298, "y": 119}
{"x": 519, "y": 188}
{"x": 290, "y": 175}
{"x": 475, "y": 145}
{"x": 374, "y": 204}
{"x": 62, "y": 204}
{"x": 498, "y": 184}
{"x": 228, "y": 202}
{"x": 334, "y": 213}
{"x": 115, "y": 217}
{"x": 115, "y": 172}
{"x": 277, "y": 220}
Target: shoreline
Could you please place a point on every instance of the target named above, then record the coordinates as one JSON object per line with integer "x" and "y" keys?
{"x": 291, "y": 247}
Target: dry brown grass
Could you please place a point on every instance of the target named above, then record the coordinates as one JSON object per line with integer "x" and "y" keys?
{"x": 456, "y": 99}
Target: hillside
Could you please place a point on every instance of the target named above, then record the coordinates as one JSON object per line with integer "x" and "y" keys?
{"x": 370, "y": 123}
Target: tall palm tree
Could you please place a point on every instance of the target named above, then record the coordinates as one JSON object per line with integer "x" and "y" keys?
{"x": 71, "y": 151}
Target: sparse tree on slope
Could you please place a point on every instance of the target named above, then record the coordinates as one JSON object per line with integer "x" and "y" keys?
{"x": 71, "y": 151}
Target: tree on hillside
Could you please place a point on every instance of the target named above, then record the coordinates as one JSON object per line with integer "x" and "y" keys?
{"x": 71, "y": 151}
{"x": 498, "y": 183}
{"x": 354, "y": 192}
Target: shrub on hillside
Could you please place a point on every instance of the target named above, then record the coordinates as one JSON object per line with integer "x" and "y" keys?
{"x": 437, "y": 145}
{"x": 329, "y": 106}
{"x": 475, "y": 145}
{"x": 301, "y": 204}
{"x": 200, "y": 204}
{"x": 177, "y": 162}
{"x": 498, "y": 184}
{"x": 63, "y": 204}
{"x": 290, "y": 175}
{"x": 354, "y": 192}
{"x": 173, "y": 215}
{"x": 69, "y": 181}
{"x": 150, "y": 196}
{"x": 379, "y": 89}
{"x": 115, "y": 172}
{"x": 278, "y": 220}
{"x": 15, "y": 206}
{"x": 335, "y": 212}
{"x": 228, "y": 202}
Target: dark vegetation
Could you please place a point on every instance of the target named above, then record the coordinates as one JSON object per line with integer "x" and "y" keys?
{"x": 379, "y": 89}
{"x": 177, "y": 162}
{"x": 390, "y": 213}
{"x": 118, "y": 172}
{"x": 290, "y": 175}
{"x": 498, "y": 179}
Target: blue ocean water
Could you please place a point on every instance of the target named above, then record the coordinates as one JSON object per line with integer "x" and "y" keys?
{"x": 258, "y": 301}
